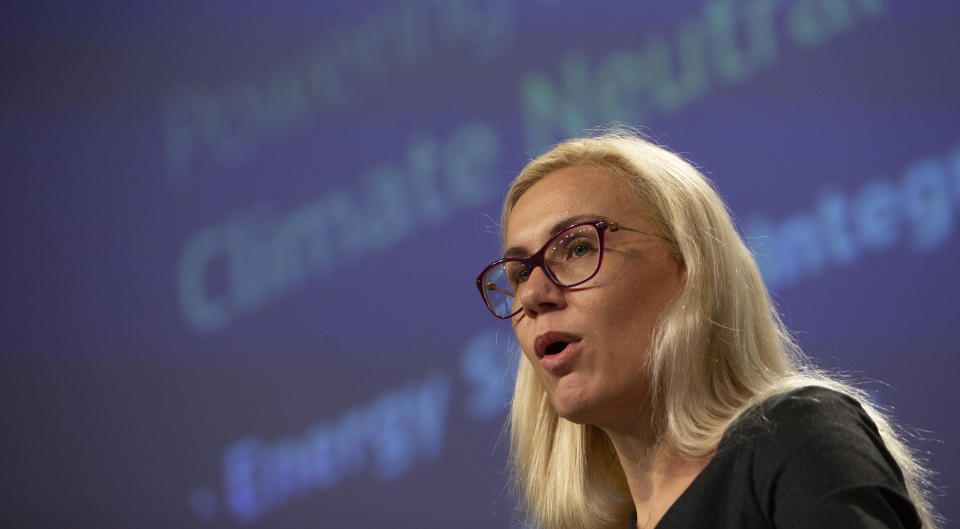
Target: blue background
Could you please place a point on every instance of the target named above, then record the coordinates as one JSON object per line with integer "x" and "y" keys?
{"x": 239, "y": 239}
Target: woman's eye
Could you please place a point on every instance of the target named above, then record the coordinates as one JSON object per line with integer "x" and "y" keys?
{"x": 579, "y": 249}
{"x": 518, "y": 275}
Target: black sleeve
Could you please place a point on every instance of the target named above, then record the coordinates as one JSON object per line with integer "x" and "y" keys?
{"x": 821, "y": 463}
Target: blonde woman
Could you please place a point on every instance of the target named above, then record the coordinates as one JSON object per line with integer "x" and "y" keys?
{"x": 657, "y": 385}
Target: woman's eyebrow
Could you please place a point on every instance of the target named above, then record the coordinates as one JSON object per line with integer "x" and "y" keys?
{"x": 515, "y": 251}
{"x": 520, "y": 251}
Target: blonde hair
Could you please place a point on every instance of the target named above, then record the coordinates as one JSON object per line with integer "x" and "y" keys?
{"x": 719, "y": 347}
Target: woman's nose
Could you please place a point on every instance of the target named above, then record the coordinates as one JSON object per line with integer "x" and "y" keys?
{"x": 539, "y": 294}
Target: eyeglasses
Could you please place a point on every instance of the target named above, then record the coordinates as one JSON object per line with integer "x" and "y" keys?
{"x": 569, "y": 258}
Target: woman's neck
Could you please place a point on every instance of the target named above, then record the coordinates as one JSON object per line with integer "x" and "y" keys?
{"x": 656, "y": 476}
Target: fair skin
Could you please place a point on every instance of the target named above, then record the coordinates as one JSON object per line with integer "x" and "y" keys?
{"x": 601, "y": 377}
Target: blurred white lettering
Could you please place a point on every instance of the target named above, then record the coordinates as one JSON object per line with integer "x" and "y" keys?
{"x": 919, "y": 210}
{"x": 386, "y": 438}
{"x": 724, "y": 44}
{"x": 264, "y": 253}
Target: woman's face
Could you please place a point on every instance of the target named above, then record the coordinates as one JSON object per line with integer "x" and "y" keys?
{"x": 600, "y": 376}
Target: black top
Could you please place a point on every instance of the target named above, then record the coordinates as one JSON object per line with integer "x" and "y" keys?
{"x": 809, "y": 458}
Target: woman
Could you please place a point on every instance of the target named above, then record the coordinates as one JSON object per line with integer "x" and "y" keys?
{"x": 658, "y": 386}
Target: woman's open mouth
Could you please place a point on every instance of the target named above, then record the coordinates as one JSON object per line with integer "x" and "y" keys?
{"x": 555, "y": 348}
{"x": 552, "y": 343}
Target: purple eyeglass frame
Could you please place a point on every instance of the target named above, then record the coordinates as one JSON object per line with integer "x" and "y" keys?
{"x": 535, "y": 260}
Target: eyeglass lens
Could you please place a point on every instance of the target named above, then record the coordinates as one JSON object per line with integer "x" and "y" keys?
{"x": 570, "y": 257}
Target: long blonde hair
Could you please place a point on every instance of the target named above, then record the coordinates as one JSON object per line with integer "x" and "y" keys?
{"x": 718, "y": 348}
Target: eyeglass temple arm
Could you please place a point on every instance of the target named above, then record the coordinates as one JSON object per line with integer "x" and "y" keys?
{"x": 615, "y": 227}
{"x": 493, "y": 286}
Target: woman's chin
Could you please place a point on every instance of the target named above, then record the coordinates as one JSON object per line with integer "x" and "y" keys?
{"x": 573, "y": 406}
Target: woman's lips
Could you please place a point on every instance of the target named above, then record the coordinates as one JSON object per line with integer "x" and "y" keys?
{"x": 557, "y": 351}
{"x": 561, "y": 363}
{"x": 543, "y": 342}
